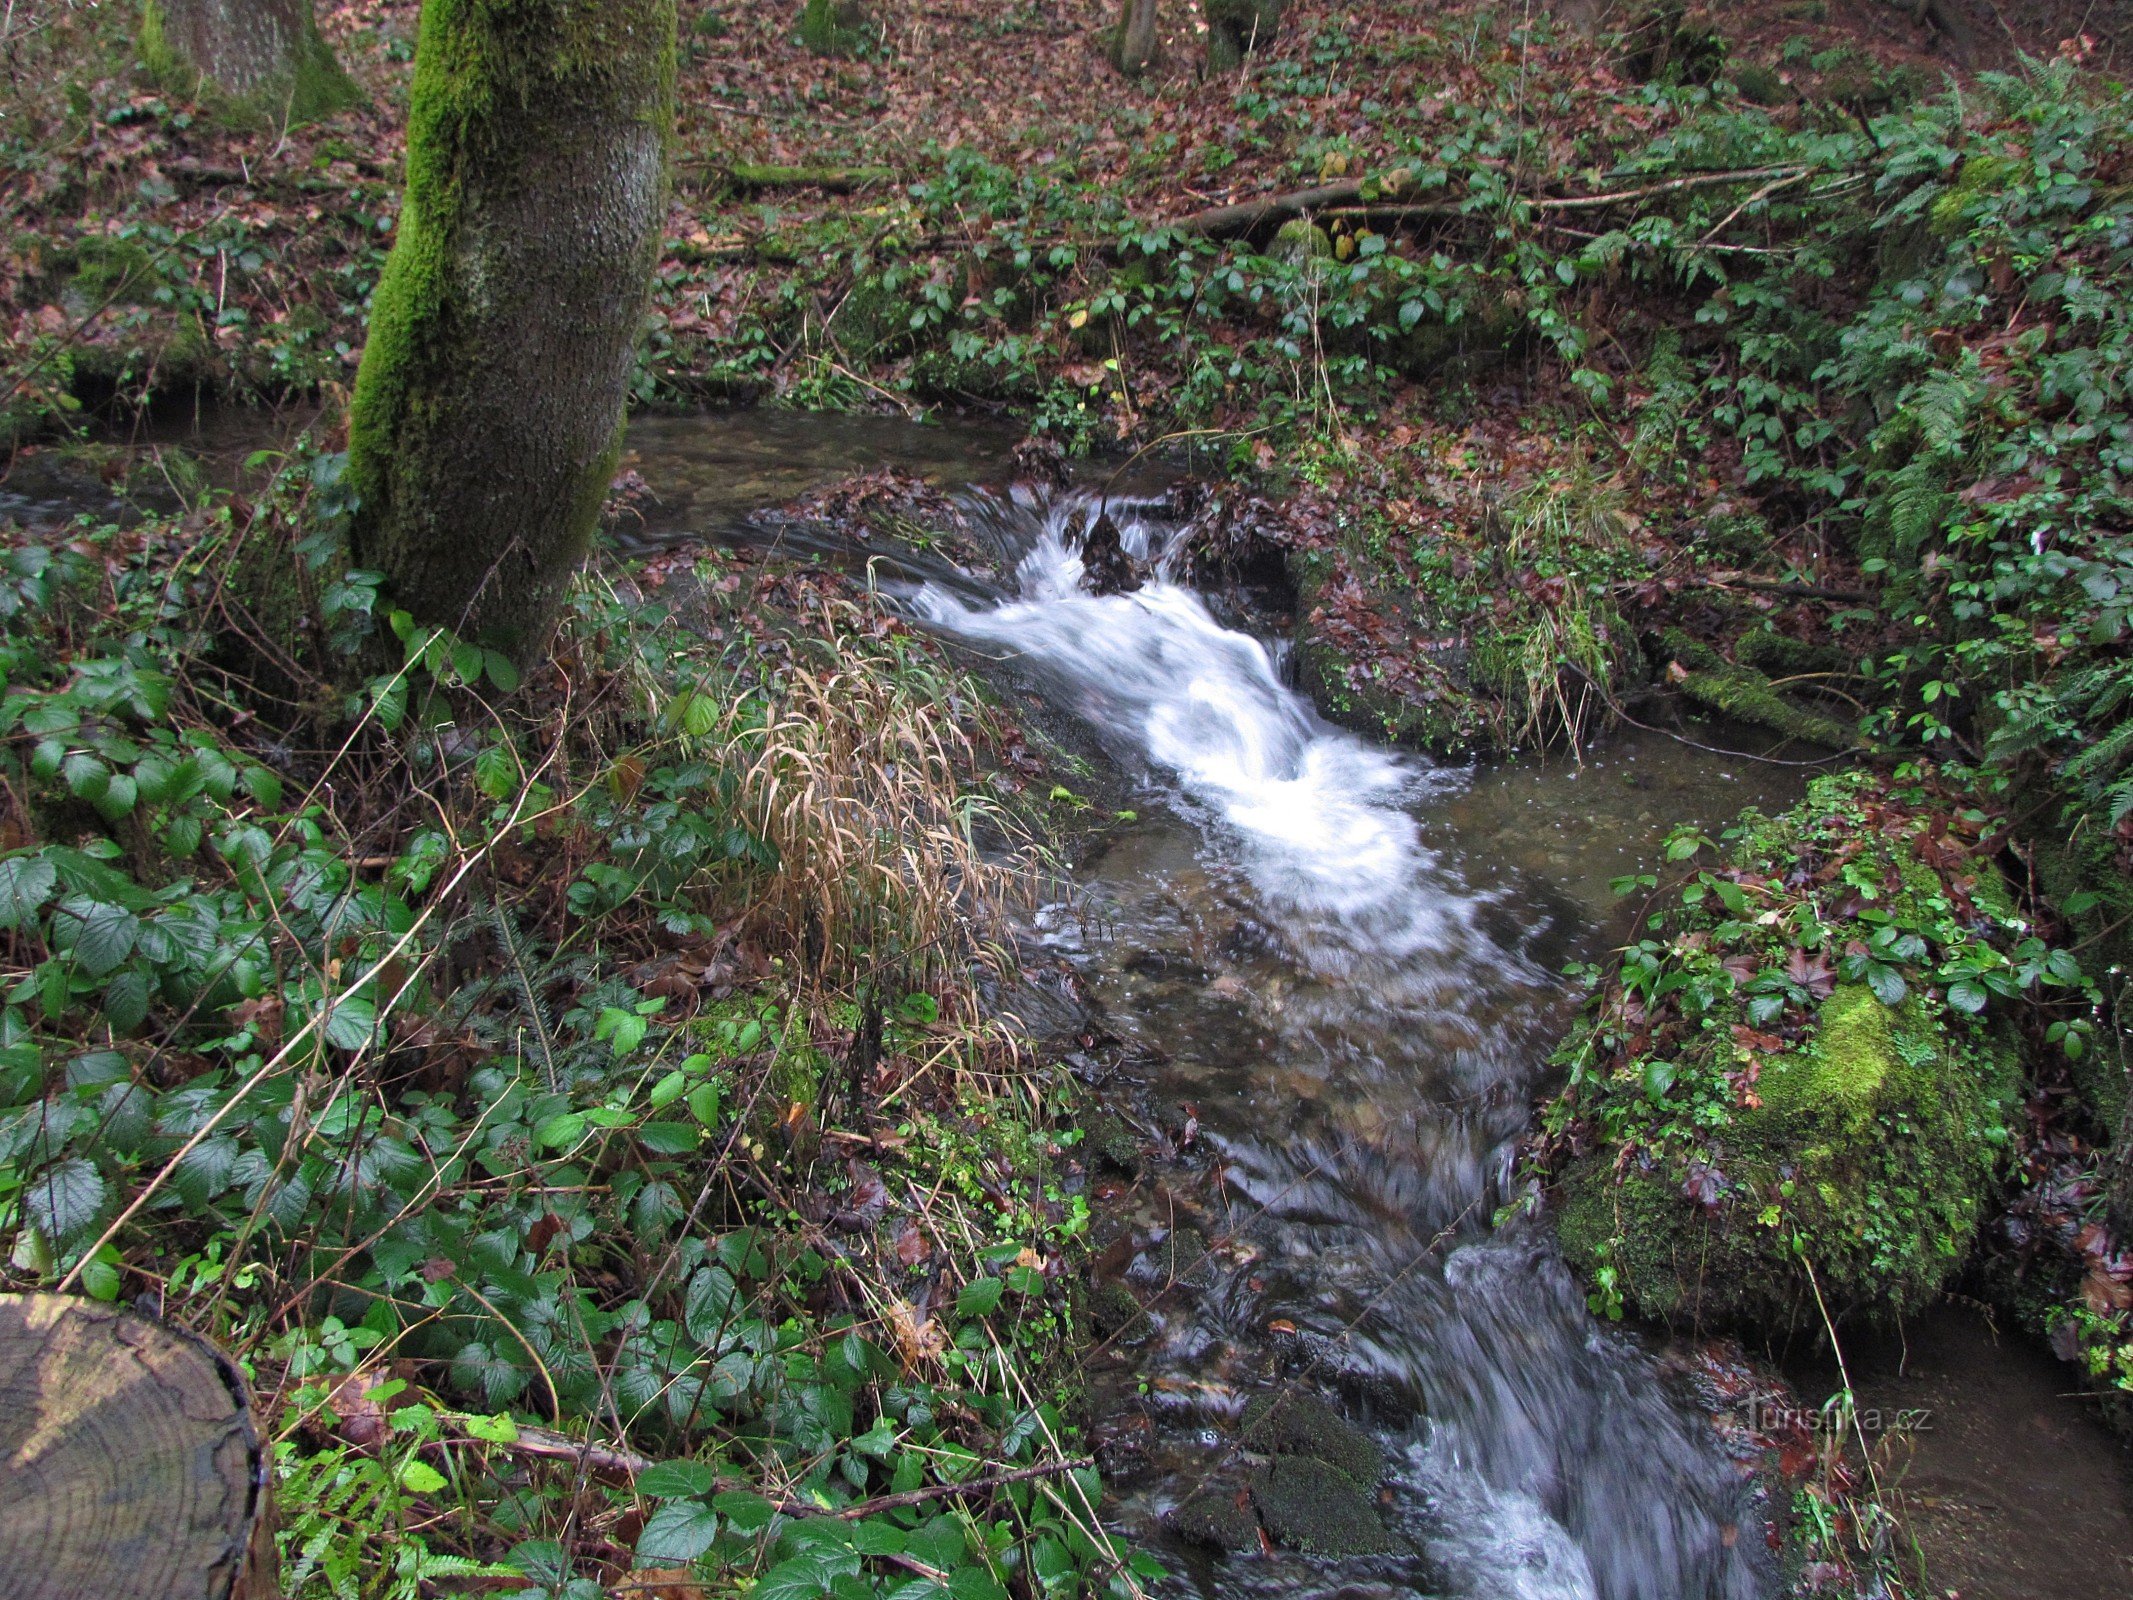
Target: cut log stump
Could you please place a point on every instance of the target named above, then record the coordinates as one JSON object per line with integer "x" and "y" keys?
{"x": 129, "y": 1465}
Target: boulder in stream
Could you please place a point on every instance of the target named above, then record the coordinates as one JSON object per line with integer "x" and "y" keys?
{"x": 1788, "y": 1104}
{"x": 1318, "y": 1509}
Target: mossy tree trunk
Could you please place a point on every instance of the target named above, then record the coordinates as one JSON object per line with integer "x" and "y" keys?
{"x": 2119, "y": 1167}
{"x": 1133, "y": 43}
{"x": 487, "y": 417}
{"x": 262, "y": 59}
{"x": 1237, "y": 27}
{"x": 837, "y": 28}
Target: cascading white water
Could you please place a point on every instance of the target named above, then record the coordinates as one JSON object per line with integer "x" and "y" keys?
{"x": 1321, "y": 819}
{"x": 1544, "y": 1458}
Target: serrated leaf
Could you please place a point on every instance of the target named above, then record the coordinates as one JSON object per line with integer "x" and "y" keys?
{"x": 126, "y": 1000}
{"x": 500, "y": 670}
{"x": 419, "y": 1477}
{"x": 26, "y": 883}
{"x": 980, "y": 1297}
{"x": 352, "y": 1023}
{"x": 669, "y": 1138}
{"x": 105, "y": 936}
{"x": 560, "y": 1132}
{"x": 747, "y": 1511}
{"x": 676, "y": 1533}
{"x": 64, "y": 1201}
{"x": 676, "y": 1480}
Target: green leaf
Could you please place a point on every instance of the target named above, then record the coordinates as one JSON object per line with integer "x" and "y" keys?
{"x": 939, "y": 1543}
{"x": 117, "y": 801}
{"x": 1025, "y": 1280}
{"x": 1658, "y": 1078}
{"x": 263, "y": 787}
{"x": 676, "y": 1480}
{"x": 1967, "y": 997}
{"x": 877, "y": 1537}
{"x": 352, "y": 1024}
{"x": 126, "y": 1000}
{"x": 1886, "y": 982}
{"x": 419, "y": 1477}
{"x": 747, "y": 1511}
{"x": 697, "y": 714}
{"x": 105, "y": 938}
{"x": 980, "y": 1297}
{"x": 500, "y": 670}
{"x": 496, "y": 771}
{"x": 64, "y": 1200}
{"x": 499, "y": 1429}
{"x": 677, "y": 1533}
{"x": 560, "y": 1132}
{"x": 26, "y": 883}
{"x": 975, "y": 1583}
{"x": 100, "y": 1276}
{"x": 181, "y": 837}
{"x": 670, "y": 1138}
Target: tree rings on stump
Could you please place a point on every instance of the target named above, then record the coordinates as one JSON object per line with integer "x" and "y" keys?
{"x": 129, "y": 1465}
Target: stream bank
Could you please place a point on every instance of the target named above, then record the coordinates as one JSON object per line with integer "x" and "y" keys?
{"x": 1322, "y": 1059}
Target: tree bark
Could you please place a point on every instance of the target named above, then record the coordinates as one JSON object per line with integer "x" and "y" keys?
{"x": 487, "y": 417}
{"x": 1235, "y": 28}
{"x": 131, "y": 1465}
{"x": 1133, "y": 42}
{"x": 263, "y": 59}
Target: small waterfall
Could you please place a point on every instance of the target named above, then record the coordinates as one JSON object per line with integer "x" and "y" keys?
{"x": 1366, "y": 1129}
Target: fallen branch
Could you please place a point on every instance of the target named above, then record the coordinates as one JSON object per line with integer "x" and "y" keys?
{"x": 1347, "y": 199}
{"x": 1221, "y": 222}
{"x": 1693, "y": 180}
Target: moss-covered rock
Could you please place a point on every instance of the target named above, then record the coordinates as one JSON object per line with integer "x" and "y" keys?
{"x": 1293, "y": 1422}
{"x": 1778, "y": 1114}
{"x": 1318, "y": 1509}
{"x": 1117, "y": 1314}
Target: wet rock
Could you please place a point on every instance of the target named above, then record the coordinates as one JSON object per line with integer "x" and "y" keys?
{"x": 1218, "y": 1517}
{"x": 1110, "y": 1142}
{"x": 1299, "y": 1424}
{"x": 1040, "y": 462}
{"x": 1318, "y": 1509}
{"x": 1104, "y": 560}
{"x": 1180, "y": 1257}
{"x": 1118, "y": 1315}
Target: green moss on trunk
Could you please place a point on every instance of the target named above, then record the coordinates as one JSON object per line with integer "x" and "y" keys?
{"x": 248, "y": 61}
{"x": 487, "y": 417}
{"x": 836, "y": 28}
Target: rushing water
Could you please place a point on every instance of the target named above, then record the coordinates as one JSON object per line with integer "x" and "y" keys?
{"x": 1357, "y": 1017}
{"x": 1340, "y": 961}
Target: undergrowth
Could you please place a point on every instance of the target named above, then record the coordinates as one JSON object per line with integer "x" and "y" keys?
{"x": 574, "y": 1100}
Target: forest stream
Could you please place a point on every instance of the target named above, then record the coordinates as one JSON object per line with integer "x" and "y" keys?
{"x": 1341, "y": 964}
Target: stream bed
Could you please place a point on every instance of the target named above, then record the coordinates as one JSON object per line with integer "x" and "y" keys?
{"x": 1329, "y": 974}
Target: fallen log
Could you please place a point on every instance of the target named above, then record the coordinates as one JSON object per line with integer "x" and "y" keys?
{"x": 131, "y": 1465}
{"x": 832, "y": 180}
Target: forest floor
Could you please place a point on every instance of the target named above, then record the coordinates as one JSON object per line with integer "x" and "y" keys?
{"x": 1544, "y": 401}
